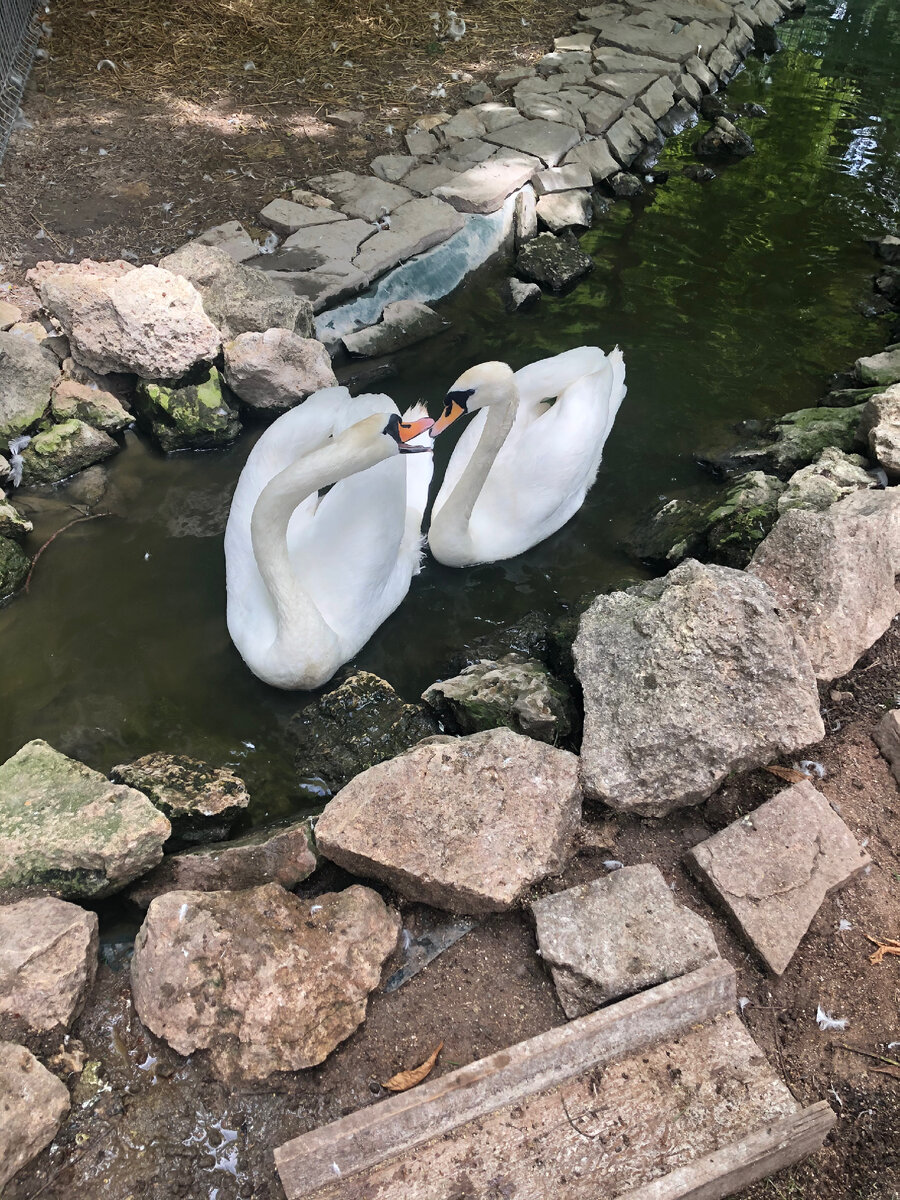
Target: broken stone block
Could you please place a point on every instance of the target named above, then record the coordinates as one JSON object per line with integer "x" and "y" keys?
{"x": 880, "y": 426}
{"x": 202, "y": 802}
{"x": 392, "y": 167}
{"x": 403, "y": 323}
{"x": 595, "y": 155}
{"x": 546, "y": 140}
{"x": 484, "y": 187}
{"x": 771, "y": 870}
{"x": 32, "y": 1104}
{"x": 562, "y": 179}
{"x": 361, "y": 196}
{"x": 519, "y": 295}
{"x": 414, "y": 228}
{"x": 286, "y": 216}
{"x": 466, "y": 824}
{"x": 565, "y": 210}
{"x": 554, "y": 263}
{"x": 887, "y": 739}
{"x": 275, "y": 370}
{"x": 616, "y": 936}
{"x": 230, "y": 237}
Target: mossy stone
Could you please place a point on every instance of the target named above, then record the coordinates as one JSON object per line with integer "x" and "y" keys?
{"x": 63, "y": 450}
{"x": 14, "y": 567}
{"x": 195, "y": 416}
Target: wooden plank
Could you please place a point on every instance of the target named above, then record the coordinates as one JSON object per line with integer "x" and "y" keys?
{"x": 738, "y": 1166}
{"x": 389, "y": 1129}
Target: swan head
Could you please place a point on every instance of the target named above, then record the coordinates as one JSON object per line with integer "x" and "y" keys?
{"x": 401, "y": 434}
{"x": 480, "y": 386}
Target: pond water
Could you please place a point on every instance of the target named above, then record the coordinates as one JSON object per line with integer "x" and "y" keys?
{"x": 731, "y": 300}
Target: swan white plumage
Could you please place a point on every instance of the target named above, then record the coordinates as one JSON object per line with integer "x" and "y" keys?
{"x": 522, "y": 468}
{"x": 310, "y": 577}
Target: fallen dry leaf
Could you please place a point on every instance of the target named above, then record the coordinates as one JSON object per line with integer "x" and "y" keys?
{"x": 788, "y": 773}
{"x": 404, "y": 1080}
{"x": 887, "y": 946}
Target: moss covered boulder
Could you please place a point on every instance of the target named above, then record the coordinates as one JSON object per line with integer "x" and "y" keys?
{"x": 14, "y": 566}
{"x": 66, "y": 830}
{"x": 556, "y": 263}
{"x": 737, "y": 525}
{"x": 63, "y": 450}
{"x": 351, "y": 728}
{"x": 91, "y": 405}
{"x": 831, "y": 477}
{"x": 880, "y": 370}
{"x": 201, "y": 801}
{"x": 195, "y": 416}
{"x": 12, "y": 523}
{"x": 516, "y": 692}
{"x": 804, "y": 434}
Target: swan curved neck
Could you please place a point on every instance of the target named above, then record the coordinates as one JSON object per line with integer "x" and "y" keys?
{"x": 499, "y": 421}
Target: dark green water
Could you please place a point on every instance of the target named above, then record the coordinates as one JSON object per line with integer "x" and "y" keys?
{"x": 731, "y": 300}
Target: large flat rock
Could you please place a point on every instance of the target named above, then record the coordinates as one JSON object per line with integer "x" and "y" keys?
{"x": 261, "y": 979}
{"x": 833, "y": 573}
{"x": 403, "y": 323}
{"x": 484, "y": 187}
{"x": 616, "y": 936}
{"x": 325, "y": 243}
{"x": 415, "y": 227}
{"x": 466, "y": 824}
{"x": 771, "y": 870}
{"x": 685, "y": 679}
{"x": 66, "y": 828}
{"x": 32, "y": 1104}
{"x": 48, "y": 960}
{"x": 546, "y": 140}
{"x": 363, "y": 196}
{"x": 201, "y": 801}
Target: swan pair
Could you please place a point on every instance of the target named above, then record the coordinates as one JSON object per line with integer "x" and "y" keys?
{"x": 311, "y": 576}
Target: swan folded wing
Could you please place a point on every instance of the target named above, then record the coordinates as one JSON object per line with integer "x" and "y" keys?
{"x": 550, "y": 377}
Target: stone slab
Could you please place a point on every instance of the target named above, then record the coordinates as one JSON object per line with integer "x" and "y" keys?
{"x": 565, "y": 210}
{"x": 618, "y": 935}
{"x": 562, "y": 179}
{"x": 546, "y": 140}
{"x": 485, "y": 187}
{"x": 595, "y": 155}
{"x": 403, "y": 323}
{"x": 340, "y": 241}
{"x": 425, "y": 179}
{"x": 658, "y": 99}
{"x": 392, "y": 167}
{"x": 325, "y": 285}
{"x": 602, "y": 112}
{"x": 362, "y": 196}
{"x": 771, "y": 870}
{"x": 231, "y": 237}
{"x": 286, "y": 217}
{"x": 415, "y": 227}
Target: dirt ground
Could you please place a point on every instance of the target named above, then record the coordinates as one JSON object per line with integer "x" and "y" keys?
{"x": 148, "y": 1124}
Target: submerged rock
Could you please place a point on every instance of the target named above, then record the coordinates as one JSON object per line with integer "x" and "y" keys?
{"x": 195, "y": 416}
{"x": 687, "y": 678}
{"x": 63, "y": 450}
{"x": 673, "y": 532}
{"x": 262, "y": 980}
{"x": 14, "y": 567}
{"x": 554, "y": 263}
{"x": 143, "y": 320}
{"x": 48, "y": 960}
{"x": 283, "y": 854}
{"x": 72, "y": 399}
{"x": 518, "y": 294}
{"x": 833, "y": 573}
{"x": 466, "y": 824}
{"x": 514, "y": 691}
{"x": 32, "y": 1104}
{"x": 354, "y": 726}
{"x": 277, "y": 369}
{"x": 880, "y": 427}
{"x": 793, "y": 441}
{"x": 27, "y": 374}
{"x": 724, "y": 140}
{"x": 842, "y": 397}
{"x": 831, "y": 477}
{"x": 403, "y": 323}
{"x": 67, "y": 829}
{"x": 880, "y": 370}
{"x": 202, "y": 802}
{"x": 738, "y": 525}
{"x": 240, "y": 299}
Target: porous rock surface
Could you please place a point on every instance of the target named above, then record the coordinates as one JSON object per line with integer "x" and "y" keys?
{"x": 261, "y": 979}
{"x": 201, "y": 801}
{"x": 48, "y": 960}
{"x": 32, "y": 1104}
{"x": 239, "y": 299}
{"x": 465, "y": 824}
{"x": 554, "y": 263}
{"x": 67, "y": 829}
{"x": 616, "y": 936}
{"x": 282, "y": 855}
{"x": 143, "y": 320}
{"x": 833, "y": 573}
{"x": 515, "y": 691}
{"x": 92, "y": 405}
{"x": 64, "y": 449}
{"x": 195, "y": 416}
{"x": 277, "y": 369}
{"x": 771, "y": 870}
{"x": 685, "y": 679}
{"x": 27, "y": 373}
{"x": 14, "y": 567}
{"x": 832, "y": 476}
{"x": 880, "y": 427}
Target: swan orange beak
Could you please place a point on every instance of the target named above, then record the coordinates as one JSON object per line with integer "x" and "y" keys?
{"x": 452, "y": 412}
{"x": 408, "y": 431}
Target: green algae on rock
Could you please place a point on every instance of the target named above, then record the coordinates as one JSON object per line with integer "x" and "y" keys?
{"x": 91, "y": 405}
{"x": 194, "y": 416}
{"x": 202, "y": 802}
{"x": 66, "y": 830}
{"x": 63, "y": 450}
{"x": 12, "y": 523}
{"x": 14, "y": 566}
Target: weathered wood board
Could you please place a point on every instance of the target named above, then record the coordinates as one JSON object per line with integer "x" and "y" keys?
{"x": 617, "y": 1103}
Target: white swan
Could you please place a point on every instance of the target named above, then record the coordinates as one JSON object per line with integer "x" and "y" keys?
{"x": 310, "y": 578}
{"x": 523, "y": 467}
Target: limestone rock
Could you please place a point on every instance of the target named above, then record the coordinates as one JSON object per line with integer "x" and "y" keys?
{"x": 12, "y": 523}
{"x": 415, "y": 227}
{"x": 724, "y": 140}
{"x": 594, "y": 155}
{"x": 831, "y": 477}
{"x": 554, "y": 263}
{"x": 62, "y": 450}
{"x": 286, "y": 216}
{"x": 240, "y": 299}
{"x": 72, "y": 399}
{"x": 423, "y": 180}
{"x": 361, "y": 195}
{"x": 48, "y": 960}
{"x": 833, "y": 573}
{"x": 66, "y": 828}
{"x": 519, "y": 294}
{"x": 354, "y": 726}
{"x": 525, "y": 216}
{"x": 880, "y": 370}
{"x": 771, "y": 870}
{"x": 325, "y": 285}
{"x": 403, "y": 323}
{"x": 27, "y": 373}
{"x": 14, "y": 567}
{"x": 193, "y": 417}
{"x": 565, "y": 210}
{"x": 738, "y": 525}
{"x": 547, "y": 140}
{"x": 484, "y": 187}
{"x": 277, "y": 369}
{"x": 202, "y": 802}
{"x": 9, "y": 315}
{"x": 232, "y": 238}
{"x": 880, "y": 427}
{"x": 515, "y": 691}
{"x": 283, "y": 854}
{"x": 797, "y": 439}
{"x": 264, "y": 981}
{"x": 392, "y": 167}
{"x": 322, "y": 246}
{"x": 145, "y": 320}
{"x": 32, "y": 1105}
{"x": 616, "y": 936}
{"x": 687, "y": 678}
{"x": 466, "y": 824}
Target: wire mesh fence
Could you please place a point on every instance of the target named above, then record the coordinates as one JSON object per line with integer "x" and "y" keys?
{"x": 19, "y": 32}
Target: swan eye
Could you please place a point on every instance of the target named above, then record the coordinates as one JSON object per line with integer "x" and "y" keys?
{"x": 460, "y": 398}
